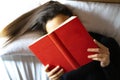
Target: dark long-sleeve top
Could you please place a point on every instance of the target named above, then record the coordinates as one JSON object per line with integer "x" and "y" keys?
{"x": 93, "y": 70}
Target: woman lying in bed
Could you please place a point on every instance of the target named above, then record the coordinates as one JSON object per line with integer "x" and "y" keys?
{"x": 45, "y": 19}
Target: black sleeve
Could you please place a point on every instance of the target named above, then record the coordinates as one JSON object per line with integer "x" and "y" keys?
{"x": 112, "y": 71}
{"x": 90, "y": 71}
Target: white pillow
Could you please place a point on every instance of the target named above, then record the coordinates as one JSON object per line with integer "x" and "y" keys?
{"x": 103, "y": 18}
{"x": 20, "y": 46}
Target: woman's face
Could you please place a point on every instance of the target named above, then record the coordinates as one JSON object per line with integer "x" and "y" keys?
{"x": 55, "y": 22}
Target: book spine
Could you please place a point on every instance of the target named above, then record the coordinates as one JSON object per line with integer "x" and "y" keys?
{"x": 66, "y": 54}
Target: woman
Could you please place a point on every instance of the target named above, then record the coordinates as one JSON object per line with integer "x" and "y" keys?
{"x": 45, "y": 19}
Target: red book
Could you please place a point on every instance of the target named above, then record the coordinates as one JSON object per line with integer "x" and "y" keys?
{"x": 66, "y": 46}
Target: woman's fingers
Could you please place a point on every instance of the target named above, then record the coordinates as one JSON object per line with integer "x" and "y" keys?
{"x": 46, "y": 68}
{"x": 103, "y": 58}
{"x": 99, "y": 44}
{"x": 95, "y": 56}
{"x": 102, "y": 49}
{"x": 98, "y": 57}
{"x": 57, "y": 74}
{"x": 102, "y": 54}
{"x": 93, "y": 50}
{"x": 52, "y": 72}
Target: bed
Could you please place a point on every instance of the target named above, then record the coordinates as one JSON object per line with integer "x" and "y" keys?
{"x": 18, "y": 63}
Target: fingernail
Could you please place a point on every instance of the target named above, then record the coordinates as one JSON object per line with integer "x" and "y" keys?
{"x": 58, "y": 66}
{"x": 88, "y": 56}
{"x": 61, "y": 69}
{"x": 47, "y": 65}
{"x": 94, "y": 40}
{"x": 88, "y": 49}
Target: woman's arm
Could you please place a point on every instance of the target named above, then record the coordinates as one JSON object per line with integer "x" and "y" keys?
{"x": 111, "y": 71}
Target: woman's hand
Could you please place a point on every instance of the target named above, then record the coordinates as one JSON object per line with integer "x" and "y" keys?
{"x": 103, "y": 54}
{"x": 55, "y": 73}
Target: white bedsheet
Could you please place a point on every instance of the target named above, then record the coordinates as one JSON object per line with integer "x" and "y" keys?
{"x": 21, "y": 68}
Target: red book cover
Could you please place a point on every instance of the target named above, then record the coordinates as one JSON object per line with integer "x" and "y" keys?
{"x": 66, "y": 46}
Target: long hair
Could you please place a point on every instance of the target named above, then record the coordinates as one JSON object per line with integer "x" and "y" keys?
{"x": 35, "y": 20}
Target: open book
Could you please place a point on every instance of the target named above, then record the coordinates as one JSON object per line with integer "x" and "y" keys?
{"x": 66, "y": 46}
